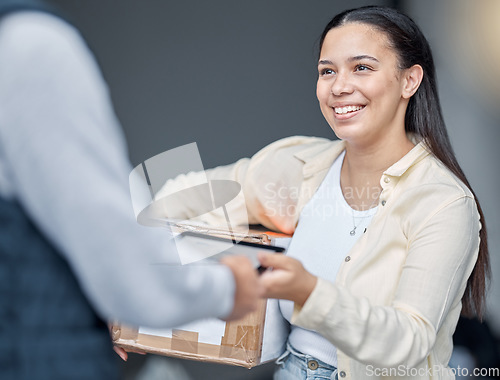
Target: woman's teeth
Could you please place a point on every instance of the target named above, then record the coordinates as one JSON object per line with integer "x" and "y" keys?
{"x": 342, "y": 110}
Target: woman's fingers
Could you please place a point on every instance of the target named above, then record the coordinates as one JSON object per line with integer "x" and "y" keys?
{"x": 288, "y": 278}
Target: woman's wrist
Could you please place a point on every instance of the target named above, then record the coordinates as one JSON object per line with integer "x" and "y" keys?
{"x": 306, "y": 289}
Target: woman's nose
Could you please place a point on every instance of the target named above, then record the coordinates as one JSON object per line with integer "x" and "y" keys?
{"x": 341, "y": 85}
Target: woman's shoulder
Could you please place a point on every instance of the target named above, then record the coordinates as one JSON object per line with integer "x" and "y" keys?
{"x": 429, "y": 193}
{"x": 420, "y": 170}
{"x": 441, "y": 177}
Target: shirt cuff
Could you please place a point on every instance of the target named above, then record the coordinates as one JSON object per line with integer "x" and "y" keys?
{"x": 312, "y": 315}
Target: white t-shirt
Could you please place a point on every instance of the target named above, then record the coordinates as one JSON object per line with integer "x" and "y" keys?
{"x": 321, "y": 242}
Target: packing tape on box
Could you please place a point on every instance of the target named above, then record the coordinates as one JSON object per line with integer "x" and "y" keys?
{"x": 184, "y": 344}
{"x": 241, "y": 344}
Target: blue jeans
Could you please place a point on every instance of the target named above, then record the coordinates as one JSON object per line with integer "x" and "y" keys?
{"x": 293, "y": 365}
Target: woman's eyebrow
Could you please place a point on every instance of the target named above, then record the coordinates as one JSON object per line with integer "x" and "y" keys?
{"x": 325, "y": 62}
{"x": 350, "y": 59}
{"x": 361, "y": 57}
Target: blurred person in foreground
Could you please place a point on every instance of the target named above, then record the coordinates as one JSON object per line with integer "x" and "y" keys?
{"x": 71, "y": 252}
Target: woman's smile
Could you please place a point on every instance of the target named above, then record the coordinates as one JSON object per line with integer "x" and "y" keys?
{"x": 345, "y": 112}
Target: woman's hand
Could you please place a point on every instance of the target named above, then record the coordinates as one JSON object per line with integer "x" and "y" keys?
{"x": 287, "y": 280}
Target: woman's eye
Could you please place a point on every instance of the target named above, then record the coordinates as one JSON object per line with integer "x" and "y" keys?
{"x": 362, "y": 68}
{"x": 326, "y": 72}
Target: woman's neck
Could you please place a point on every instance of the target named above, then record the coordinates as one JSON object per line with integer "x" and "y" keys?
{"x": 362, "y": 169}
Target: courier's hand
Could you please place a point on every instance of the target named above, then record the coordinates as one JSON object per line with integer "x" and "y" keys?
{"x": 121, "y": 353}
{"x": 119, "y": 350}
{"x": 248, "y": 290}
{"x": 124, "y": 354}
{"x": 287, "y": 280}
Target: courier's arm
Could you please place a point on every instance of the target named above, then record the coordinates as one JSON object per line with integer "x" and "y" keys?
{"x": 64, "y": 160}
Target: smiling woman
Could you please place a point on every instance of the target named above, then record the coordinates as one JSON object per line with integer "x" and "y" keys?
{"x": 389, "y": 244}
{"x": 362, "y": 93}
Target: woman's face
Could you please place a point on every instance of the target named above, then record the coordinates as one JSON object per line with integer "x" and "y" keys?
{"x": 360, "y": 86}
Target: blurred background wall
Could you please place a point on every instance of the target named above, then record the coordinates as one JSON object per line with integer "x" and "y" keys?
{"x": 236, "y": 75}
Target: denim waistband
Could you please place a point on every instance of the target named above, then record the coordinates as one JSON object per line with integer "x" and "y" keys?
{"x": 311, "y": 365}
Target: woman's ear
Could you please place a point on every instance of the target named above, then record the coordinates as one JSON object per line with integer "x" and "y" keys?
{"x": 412, "y": 78}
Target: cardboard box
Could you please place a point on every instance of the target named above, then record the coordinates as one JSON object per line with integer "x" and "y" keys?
{"x": 258, "y": 338}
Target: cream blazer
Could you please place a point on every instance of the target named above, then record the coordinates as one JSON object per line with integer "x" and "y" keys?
{"x": 396, "y": 300}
